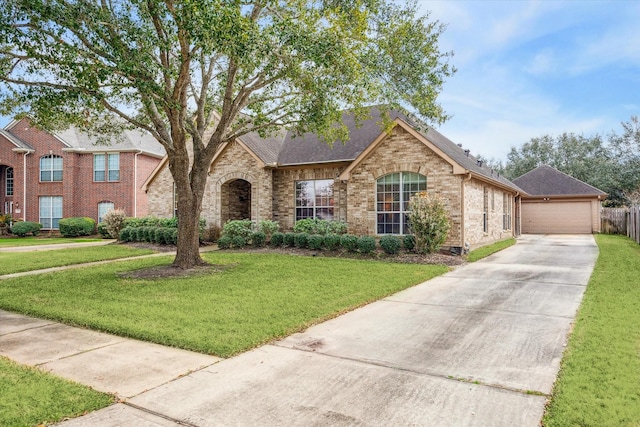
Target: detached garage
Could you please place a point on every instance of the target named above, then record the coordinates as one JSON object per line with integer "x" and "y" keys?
{"x": 557, "y": 203}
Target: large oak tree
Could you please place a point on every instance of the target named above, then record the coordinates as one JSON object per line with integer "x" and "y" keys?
{"x": 180, "y": 68}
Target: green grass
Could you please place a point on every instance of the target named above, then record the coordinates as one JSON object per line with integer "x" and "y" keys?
{"x": 15, "y": 262}
{"x": 255, "y": 299}
{"x": 599, "y": 381}
{"x": 34, "y": 241}
{"x": 485, "y": 251}
{"x": 31, "y": 397}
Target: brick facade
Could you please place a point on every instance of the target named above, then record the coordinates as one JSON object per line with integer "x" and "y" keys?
{"x": 80, "y": 194}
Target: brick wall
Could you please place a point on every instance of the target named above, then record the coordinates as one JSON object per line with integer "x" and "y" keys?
{"x": 474, "y": 233}
{"x": 284, "y": 192}
{"x": 401, "y": 152}
{"x": 235, "y": 163}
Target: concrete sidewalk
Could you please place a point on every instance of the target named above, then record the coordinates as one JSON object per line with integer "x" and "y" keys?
{"x": 480, "y": 345}
{"x": 35, "y": 248}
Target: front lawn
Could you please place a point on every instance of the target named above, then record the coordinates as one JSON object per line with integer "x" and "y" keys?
{"x": 599, "y": 381}
{"x": 15, "y": 262}
{"x": 485, "y": 251}
{"x": 31, "y": 397}
{"x": 33, "y": 241}
{"x": 254, "y": 299}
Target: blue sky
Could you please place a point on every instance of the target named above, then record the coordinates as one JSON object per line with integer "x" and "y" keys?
{"x": 529, "y": 68}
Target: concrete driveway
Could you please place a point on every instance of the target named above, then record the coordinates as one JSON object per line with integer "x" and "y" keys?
{"x": 479, "y": 346}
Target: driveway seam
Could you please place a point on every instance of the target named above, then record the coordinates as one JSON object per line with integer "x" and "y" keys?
{"x": 431, "y": 374}
{"x": 28, "y": 329}
{"x": 82, "y": 352}
{"x": 158, "y": 414}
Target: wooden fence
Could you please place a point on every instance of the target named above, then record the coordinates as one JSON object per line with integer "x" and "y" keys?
{"x": 625, "y": 221}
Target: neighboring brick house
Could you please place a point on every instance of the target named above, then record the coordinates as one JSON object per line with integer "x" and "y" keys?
{"x": 45, "y": 177}
{"x": 365, "y": 182}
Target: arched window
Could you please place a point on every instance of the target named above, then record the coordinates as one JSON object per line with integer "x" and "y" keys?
{"x": 392, "y": 196}
{"x": 51, "y": 168}
{"x": 8, "y": 183}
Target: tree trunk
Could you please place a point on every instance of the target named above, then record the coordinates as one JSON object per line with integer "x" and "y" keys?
{"x": 190, "y": 187}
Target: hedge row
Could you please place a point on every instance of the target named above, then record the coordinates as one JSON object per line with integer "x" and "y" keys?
{"x": 150, "y": 234}
{"x": 331, "y": 242}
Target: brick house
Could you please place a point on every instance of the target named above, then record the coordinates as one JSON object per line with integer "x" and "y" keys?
{"x": 45, "y": 177}
{"x": 365, "y": 182}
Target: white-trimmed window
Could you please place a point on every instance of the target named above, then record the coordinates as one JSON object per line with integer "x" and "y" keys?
{"x": 51, "y": 168}
{"x": 50, "y": 211}
{"x": 393, "y": 193}
{"x": 106, "y": 167}
{"x": 314, "y": 199}
{"x": 103, "y": 208}
{"x": 507, "y": 202}
{"x": 8, "y": 181}
{"x": 485, "y": 211}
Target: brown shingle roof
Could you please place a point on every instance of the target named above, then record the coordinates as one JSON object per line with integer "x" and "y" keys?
{"x": 547, "y": 181}
{"x": 310, "y": 148}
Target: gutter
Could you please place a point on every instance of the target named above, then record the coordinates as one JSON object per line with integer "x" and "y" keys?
{"x": 135, "y": 184}
{"x": 25, "y": 152}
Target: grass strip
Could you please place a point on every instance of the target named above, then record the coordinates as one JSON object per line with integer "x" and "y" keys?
{"x": 254, "y": 299}
{"x": 31, "y": 397}
{"x": 599, "y": 381}
{"x": 16, "y": 262}
{"x": 485, "y": 251}
{"x": 35, "y": 241}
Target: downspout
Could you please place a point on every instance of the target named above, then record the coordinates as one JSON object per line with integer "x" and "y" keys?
{"x": 135, "y": 184}
{"x": 24, "y": 184}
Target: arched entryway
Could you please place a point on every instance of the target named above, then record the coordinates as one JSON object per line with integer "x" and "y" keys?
{"x": 235, "y": 200}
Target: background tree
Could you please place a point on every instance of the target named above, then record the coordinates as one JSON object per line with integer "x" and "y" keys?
{"x": 182, "y": 69}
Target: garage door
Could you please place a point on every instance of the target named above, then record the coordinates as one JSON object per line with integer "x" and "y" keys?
{"x": 556, "y": 218}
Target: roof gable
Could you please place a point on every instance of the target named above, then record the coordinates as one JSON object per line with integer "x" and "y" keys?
{"x": 547, "y": 181}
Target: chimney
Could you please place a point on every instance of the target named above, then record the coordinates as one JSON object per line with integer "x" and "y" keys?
{"x": 480, "y": 163}
{"x": 467, "y": 151}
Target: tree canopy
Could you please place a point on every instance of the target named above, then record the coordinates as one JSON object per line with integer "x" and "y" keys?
{"x": 612, "y": 165}
{"x": 183, "y": 69}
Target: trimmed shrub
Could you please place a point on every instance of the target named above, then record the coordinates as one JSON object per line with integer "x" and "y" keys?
{"x": 268, "y": 227}
{"x": 76, "y": 226}
{"x": 238, "y": 242}
{"x": 114, "y": 221}
{"x": 23, "y": 228}
{"x": 125, "y": 234}
{"x": 174, "y": 236}
{"x": 331, "y": 241}
{"x": 258, "y": 239}
{"x": 224, "y": 242}
{"x": 315, "y": 242}
{"x": 429, "y": 222}
{"x": 102, "y": 230}
{"x": 366, "y": 244}
{"x": 289, "y": 239}
{"x": 337, "y": 227}
{"x": 349, "y": 242}
{"x": 319, "y": 226}
{"x": 139, "y": 234}
{"x": 158, "y": 236}
{"x": 390, "y": 244}
{"x": 409, "y": 242}
{"x": 238, "y": 228}
{"x": 301, "y": 240}
{"x": 277, "y": 239}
